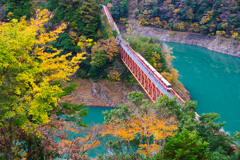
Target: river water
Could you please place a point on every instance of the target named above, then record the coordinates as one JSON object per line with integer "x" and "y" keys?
{"x": 213, "y": 80}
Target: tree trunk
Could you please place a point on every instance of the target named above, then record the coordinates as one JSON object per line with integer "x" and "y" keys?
{"x": 29, "y": 149}
{"x": 29, "y": 144}
{"x": 9, "y": 145}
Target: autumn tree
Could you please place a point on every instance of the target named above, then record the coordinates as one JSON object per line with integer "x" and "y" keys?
{"x": 139, "y": 126}
{"x": 194, "y": 27}
{"x": 28, "y": 74}
{"x": 83, "y": 140}
{"x": 157, "y": 22}
{"x": 109, "y": 46}
{"x": 167, "y": 51}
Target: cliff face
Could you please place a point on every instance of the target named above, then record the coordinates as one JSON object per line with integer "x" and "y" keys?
{"x": 103, "y": 93}
{"x": 212, "y": 43}
{"x": 218, "y": 44}
{"x": 107, "y": 94}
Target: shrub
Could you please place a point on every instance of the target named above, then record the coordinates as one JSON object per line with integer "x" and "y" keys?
{"x": 172, "y": 32}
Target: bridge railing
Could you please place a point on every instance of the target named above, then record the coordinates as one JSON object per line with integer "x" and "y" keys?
{"x": 150, "y": 88}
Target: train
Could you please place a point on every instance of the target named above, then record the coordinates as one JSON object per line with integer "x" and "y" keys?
{"x": 152, "y": 70}
{"x": 155, "y": 73}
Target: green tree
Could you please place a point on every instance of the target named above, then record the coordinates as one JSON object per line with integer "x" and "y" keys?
{"x": 52, "y": 5}
{"x": 89, "y": 13}
{"x": 18, "y": 8}
{"x": 186, "y": 145}
{"x": 99, "y": 59}
{"x": 119, "y": 11}
{"x": 132, "y": 125}
{"x": 150, "y": 40}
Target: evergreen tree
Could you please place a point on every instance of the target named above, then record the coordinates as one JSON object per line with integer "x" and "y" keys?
{"x": 89, "y": 13}
{"x": 18, "y": 8}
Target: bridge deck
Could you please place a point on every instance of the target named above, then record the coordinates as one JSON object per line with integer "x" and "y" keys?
{"x": 159, "y": 86}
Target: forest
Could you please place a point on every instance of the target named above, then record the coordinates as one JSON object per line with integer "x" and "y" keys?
{"x": 208, "y": 17}
{"x": 46, "y": 43}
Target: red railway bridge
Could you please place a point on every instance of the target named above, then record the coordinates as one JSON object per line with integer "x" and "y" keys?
{"x": 151, "y": 81}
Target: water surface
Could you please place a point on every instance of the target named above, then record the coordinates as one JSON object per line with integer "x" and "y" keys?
{"x": 213, "y": 80}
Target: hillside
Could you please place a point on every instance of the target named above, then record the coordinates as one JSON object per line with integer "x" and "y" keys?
{"x": 57, "y": 56}
{"x": 208, "y": 17}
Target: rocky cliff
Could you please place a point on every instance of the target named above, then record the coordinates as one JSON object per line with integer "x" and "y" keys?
{"x": 103, "y": 93}
{"x": 217, "y": 44}
{"x": 212, "y": 43}
{"x": 108, "y": 94}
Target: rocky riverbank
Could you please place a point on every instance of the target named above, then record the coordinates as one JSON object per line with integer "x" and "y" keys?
{"x": 102, "y": 93}
{"x": 108, "y": 94}
{"x": 217, "y": 44}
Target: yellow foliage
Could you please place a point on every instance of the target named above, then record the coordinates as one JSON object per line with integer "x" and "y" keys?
{"x": 194, "y": 27}
{"x": 157, "y": 22}
{"x": 177, "y": 10}
{"x": 73, "y": 36}
{"x": 206, "y": 18}
{"x": 122, "y": 20}
{"x": 234, "y": 35}
{"x": 114, "y": 75}
{"x": 84, "y": 43}
{"x": 33, "y": 70}
{"x": 217, "y": 20}
{"x": 220, "y": 32}
{"x": 171, "y": 7}
{"x": 225, "y": 25}
{"x": 167, "y": 76}
{"x": 189, "y": 14}
{"x": 174, "y": 74}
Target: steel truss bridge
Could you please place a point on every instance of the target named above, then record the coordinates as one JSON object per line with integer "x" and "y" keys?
{"x": 142, "y": 71}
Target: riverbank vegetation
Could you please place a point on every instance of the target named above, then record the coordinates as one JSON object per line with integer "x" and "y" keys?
{"x": 157, "y": 54}
{"x": 45, "y": 44}
{"x": 165, "y": 130}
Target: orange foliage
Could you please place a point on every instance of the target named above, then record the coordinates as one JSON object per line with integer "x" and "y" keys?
{"x": 110, "y": 46}
{"x": 122, "y": 20}
{"x": 146, "y": 125}
{"x": 80, "y": 145}
{"x": 109, "y": 5}
{"x": 167, "y": 76}
{"x": 73, "y": 36}
{"x": 177, "y": 10}
{"x": 174, "y": 73}
{"x": 157, "y": 22}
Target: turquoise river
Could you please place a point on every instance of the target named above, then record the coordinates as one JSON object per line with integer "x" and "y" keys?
{"x": 213, "y": 80}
